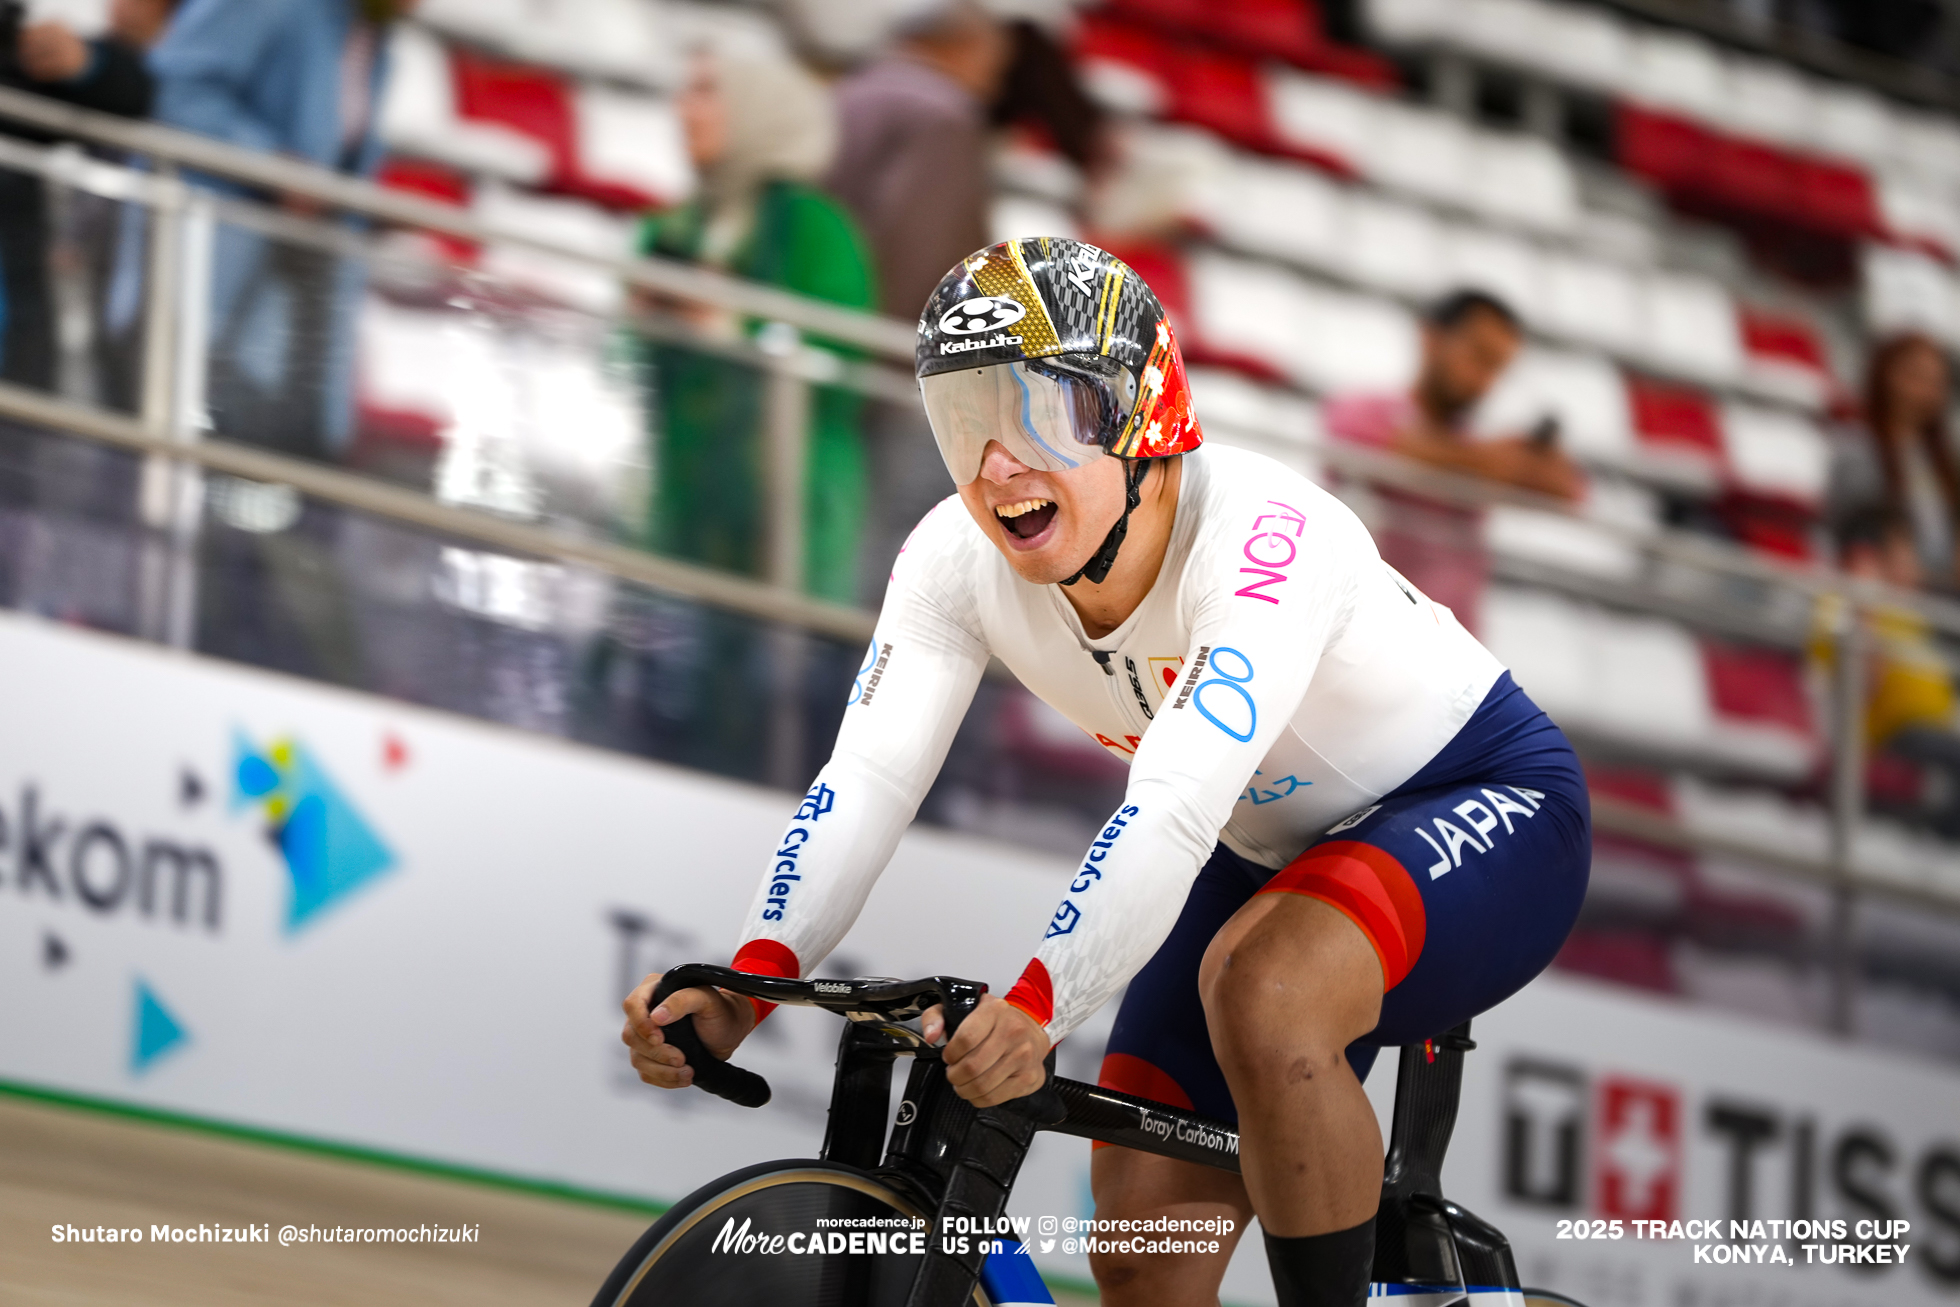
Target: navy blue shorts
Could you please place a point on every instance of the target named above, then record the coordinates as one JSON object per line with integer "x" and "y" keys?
{"x": 1466, "y": 880}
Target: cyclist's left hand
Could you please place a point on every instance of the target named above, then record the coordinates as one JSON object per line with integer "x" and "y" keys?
{"x": 997, "y": 1054}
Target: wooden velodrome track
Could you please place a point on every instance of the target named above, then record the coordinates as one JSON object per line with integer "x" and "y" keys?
{"x": 81, "y": 1167}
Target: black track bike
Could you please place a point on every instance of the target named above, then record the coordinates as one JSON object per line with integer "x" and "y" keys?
{"x": 876, "y": 1218}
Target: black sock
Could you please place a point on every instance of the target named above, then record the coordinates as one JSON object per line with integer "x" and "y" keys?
{"x": 1323, "y": 1270}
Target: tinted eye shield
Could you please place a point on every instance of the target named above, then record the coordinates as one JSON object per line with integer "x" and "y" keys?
{"x": 1050, "y": 416}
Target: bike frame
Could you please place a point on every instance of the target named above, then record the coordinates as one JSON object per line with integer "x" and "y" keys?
{"x": 956, "y": 1160}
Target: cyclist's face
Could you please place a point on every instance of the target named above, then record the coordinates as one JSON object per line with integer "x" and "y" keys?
{"x": 1045, "y": 523}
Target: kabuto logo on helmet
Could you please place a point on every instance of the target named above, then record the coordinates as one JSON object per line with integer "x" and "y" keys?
{"x": 981, "y": 313}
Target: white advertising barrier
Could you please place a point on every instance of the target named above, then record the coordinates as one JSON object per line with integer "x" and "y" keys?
{"x": 256, "y": 900}
{"x": 1586, "y": 1104}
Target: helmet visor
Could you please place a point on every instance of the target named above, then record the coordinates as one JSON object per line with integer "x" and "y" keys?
{"x": 1050, "y": 417}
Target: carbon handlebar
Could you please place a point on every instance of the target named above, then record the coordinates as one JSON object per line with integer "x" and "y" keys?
{"x": 891, "y": 1000}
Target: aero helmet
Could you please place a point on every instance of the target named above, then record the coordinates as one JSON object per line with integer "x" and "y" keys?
{"x": 1059, "y": 351}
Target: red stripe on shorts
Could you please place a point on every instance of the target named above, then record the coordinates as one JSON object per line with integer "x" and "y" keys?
{"x": 1369, "y": 887}
{"x": 1129, "y": 1074}
{"x": 766, "y": 957}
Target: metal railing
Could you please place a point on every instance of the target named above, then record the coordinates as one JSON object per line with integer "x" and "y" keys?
{"x": 171, "y": 431}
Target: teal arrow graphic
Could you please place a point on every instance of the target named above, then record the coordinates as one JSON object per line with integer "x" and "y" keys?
{"x": 155, "y": 1031}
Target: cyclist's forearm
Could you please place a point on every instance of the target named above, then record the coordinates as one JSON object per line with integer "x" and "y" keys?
{"x": 912, "y": 689}
{"x": 1097, "y": 941}
{"x": 823, "y": 867}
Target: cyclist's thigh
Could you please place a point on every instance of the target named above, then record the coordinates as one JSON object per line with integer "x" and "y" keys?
{"x": 1160, "y": 1046}
{"x": 1200, "y": 1204}
{"x": 1466, "y": 890}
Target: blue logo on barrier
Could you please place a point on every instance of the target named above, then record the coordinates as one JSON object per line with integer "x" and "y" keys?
{"x": 154, "y": 1031}
{"x": 330, "y": 850}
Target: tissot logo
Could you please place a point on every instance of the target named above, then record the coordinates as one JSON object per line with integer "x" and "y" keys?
{"x": 1549, "y": 1111}
{"x": 981, "y": 313}
{"x": 1611, "y": 1145}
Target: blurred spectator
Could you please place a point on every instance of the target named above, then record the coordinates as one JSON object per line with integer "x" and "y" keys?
{"x": 1039, "y": 88}
{"x": 760, "y": 132}
{"x": 107, "y": 74}
{"x": 679, "y": 681}
{"x": 110, "y": 236}
{"x": 913, "y": 162}
{"x": 1899, "y": 457}
{"x": 913, "y": 166}
{"x": 1910, "y": 686}
{"x": 1909, "y": 697}
{"x": 1468, "y": 339}
{"x": 140, "y": 24}
{"x": 302, "y": 78}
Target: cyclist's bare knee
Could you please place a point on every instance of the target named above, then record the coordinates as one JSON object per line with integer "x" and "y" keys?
{"x": 1288, "y": 977}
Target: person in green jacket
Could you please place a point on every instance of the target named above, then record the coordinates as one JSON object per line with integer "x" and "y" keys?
{"x": 759, "y": 131}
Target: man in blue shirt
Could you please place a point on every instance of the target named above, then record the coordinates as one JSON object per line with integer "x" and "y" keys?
{"x": 302, "y": 78}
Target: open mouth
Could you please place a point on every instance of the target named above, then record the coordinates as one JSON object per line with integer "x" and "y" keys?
{"x": 1026, "y": 519}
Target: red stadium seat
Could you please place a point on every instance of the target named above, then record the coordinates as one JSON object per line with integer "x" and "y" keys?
{"x": 1124, "y": 64}
{"x": 432, "y": 181}
{"x": 1282, "y": 29}
{"x": 1288, "y": 30}
{"x": 1180, "y": 15}
{"x": 1782, "y": 337}
{"x": 429, "y": 180}
{"x": 1738, "y": 176}
{"x": 1677, "y": 423}
{"x": 1222, "y": 93}
{"x": 1670, "y": 151}
{"x": 1760, "y": 686}
{"x": 1755, "y": 176}
{"x": 1363, "y": 67}
{"x": 1636, "y": 786}
{"x": 527, "y": 100}
{"x": 1769, "y": 524}
{"x": 1837, "y": 198}
{"x": 1785, "y": 352}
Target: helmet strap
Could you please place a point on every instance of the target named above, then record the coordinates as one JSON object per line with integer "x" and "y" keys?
{"x": 1097, "y": 568}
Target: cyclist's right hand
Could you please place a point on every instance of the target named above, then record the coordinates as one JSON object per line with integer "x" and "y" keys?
{"x": 722, "y": 1020}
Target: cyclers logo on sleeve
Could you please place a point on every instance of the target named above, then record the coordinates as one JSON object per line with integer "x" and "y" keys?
{"x": 784, "y": 875}
{"x": 1222, "y": 699}
{"x": 1092, "y": 865}
{"x": 1064, "y": 921}
{"x": 1069, "y": 915}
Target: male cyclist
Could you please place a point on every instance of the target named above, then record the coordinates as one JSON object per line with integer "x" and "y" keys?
{"x": 1345, "y": 826}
